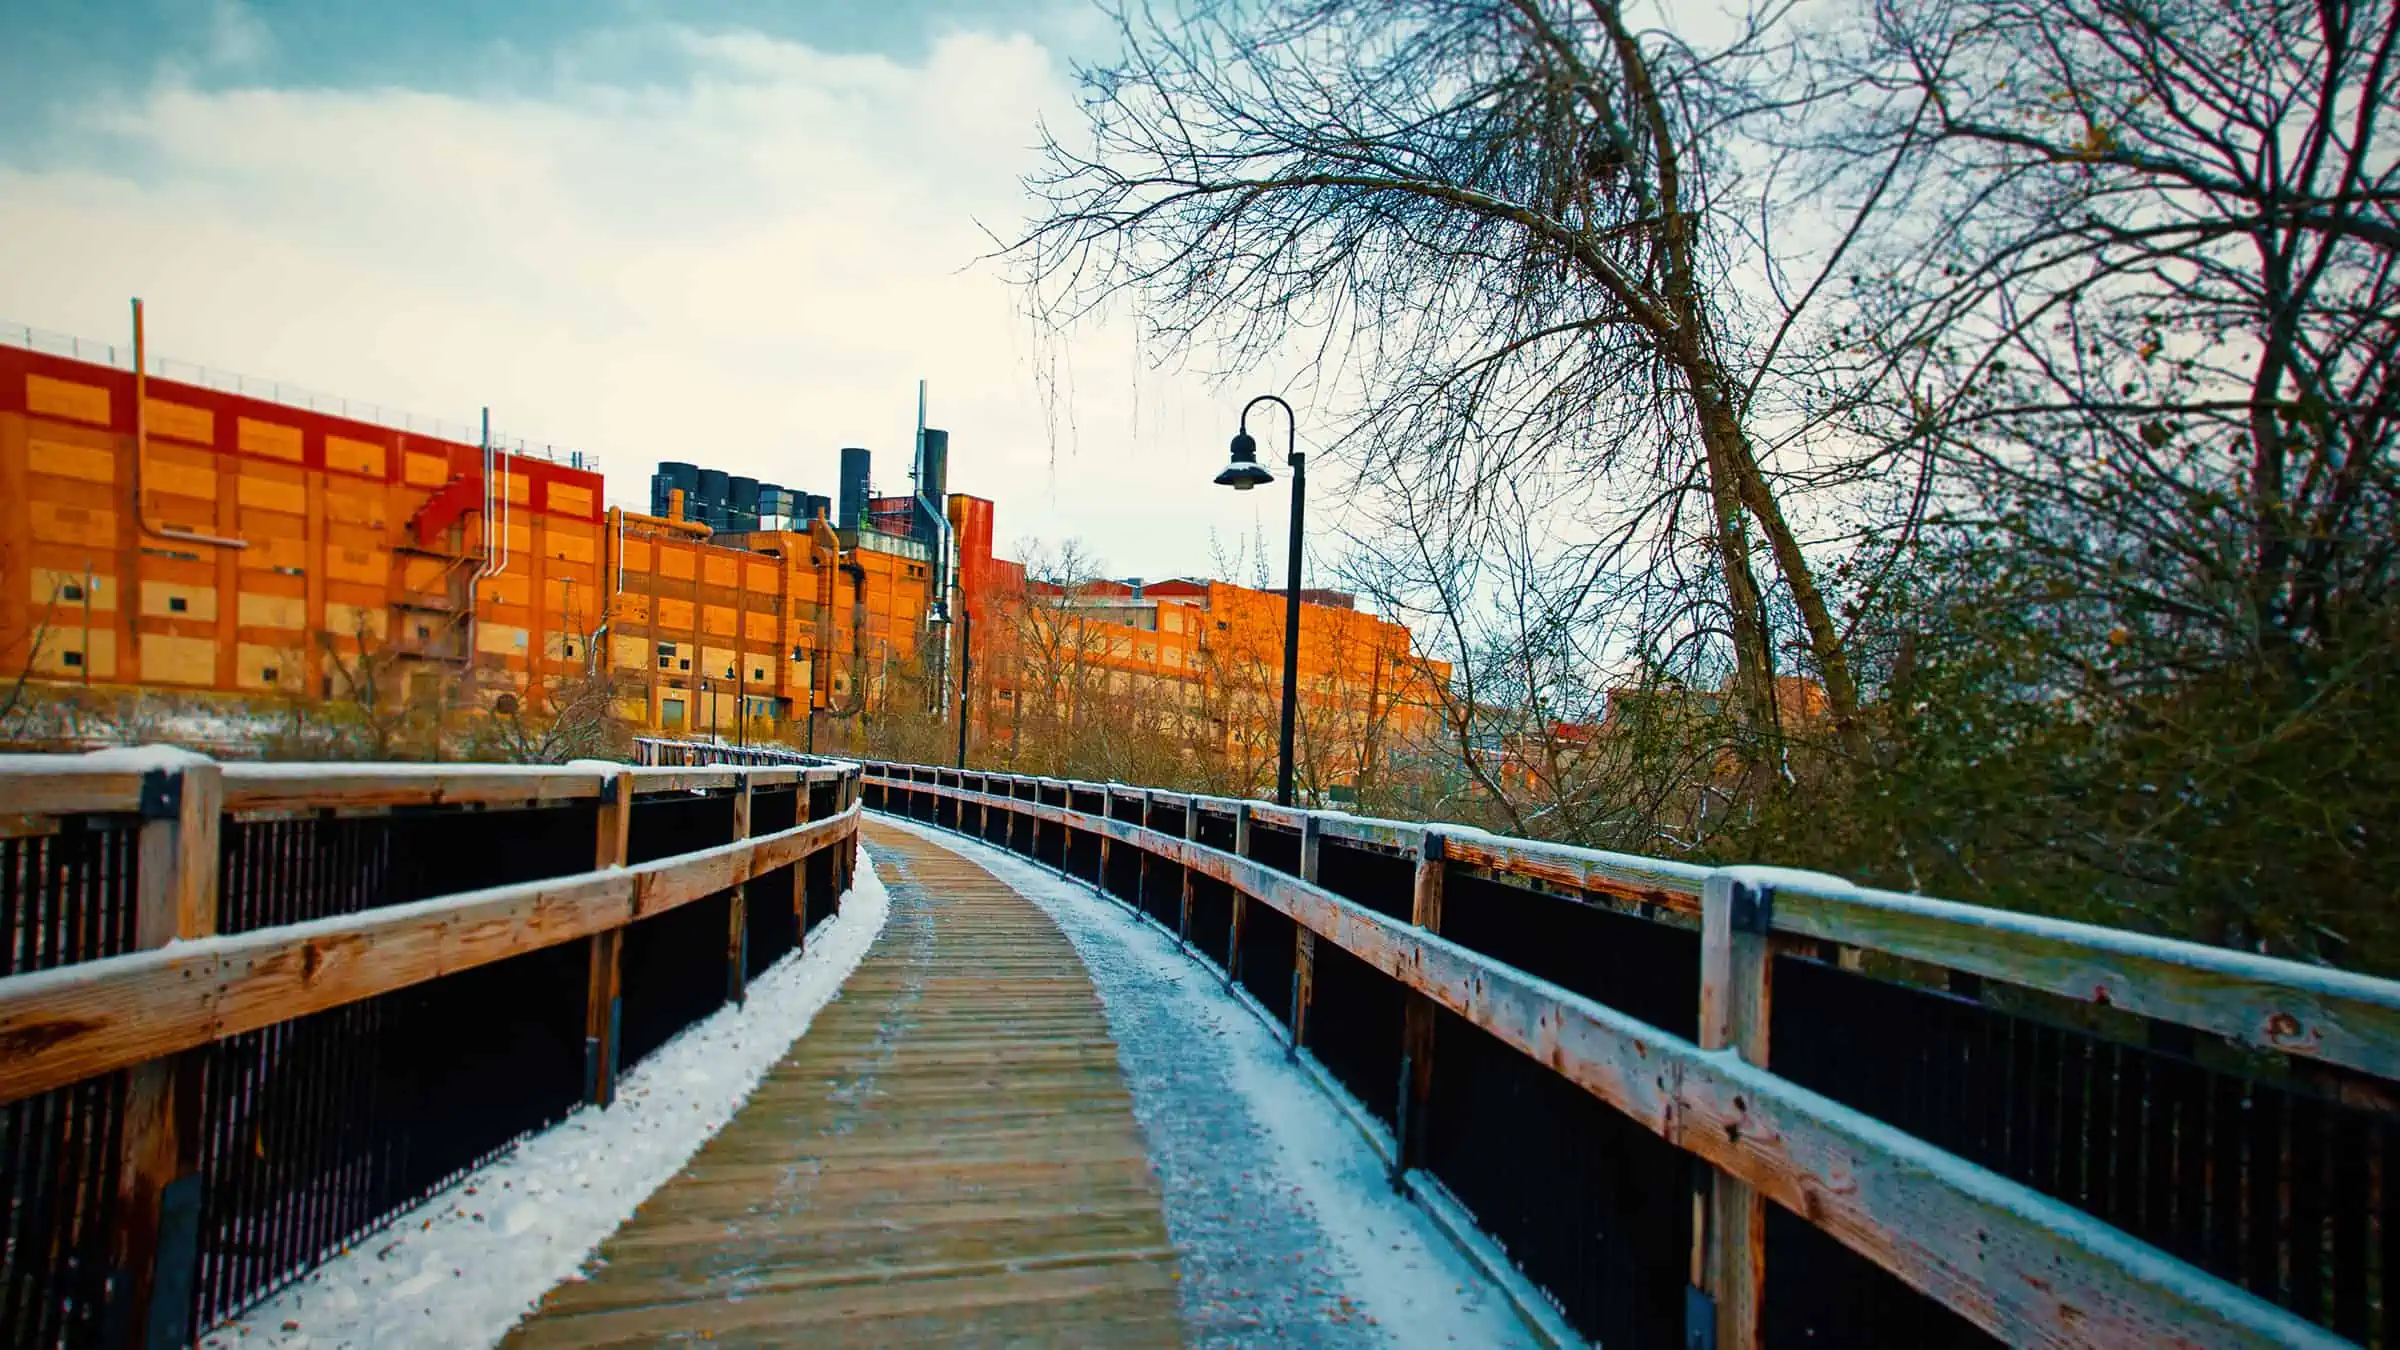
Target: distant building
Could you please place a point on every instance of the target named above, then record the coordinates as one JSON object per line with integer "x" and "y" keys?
{"x": 280, "y": 550}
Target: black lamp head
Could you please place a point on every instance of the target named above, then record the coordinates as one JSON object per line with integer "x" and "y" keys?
{"x": 1245, "y": 472}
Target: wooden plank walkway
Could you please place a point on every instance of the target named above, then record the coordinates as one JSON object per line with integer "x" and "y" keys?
{"x": 949, "y": 1156}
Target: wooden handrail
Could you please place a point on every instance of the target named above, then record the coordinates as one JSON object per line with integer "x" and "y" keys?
{"x": 69, "y": 1023}
{"x": 2335, "y": 1017}
{"x": 112, "y": 781}
{"x": 2026, "y": 1268}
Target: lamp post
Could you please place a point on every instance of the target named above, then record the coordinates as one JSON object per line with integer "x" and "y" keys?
{"x": 1243, "y": 473}
{"x": 741, "y": 698}
{"x": 800, "y": 654}
{"x": 966, "y": 668}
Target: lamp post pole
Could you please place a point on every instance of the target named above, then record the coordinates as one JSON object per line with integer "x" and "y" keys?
{"x": 1245, "y": 473}
{"x": 966, "y": 669}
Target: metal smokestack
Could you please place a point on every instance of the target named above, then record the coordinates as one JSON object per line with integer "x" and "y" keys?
{"x": 853, "y": 501}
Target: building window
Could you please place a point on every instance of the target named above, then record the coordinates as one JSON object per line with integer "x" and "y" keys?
{"x": 1220, "y": 625}
{"x": 759, "y": 675}
{"x": 683, "y": 665}
{"x": 72, "y": 660}
{"x": 70, "y": 592}
{"x": 176, "y": 604}
{"x": 267, "y": 674}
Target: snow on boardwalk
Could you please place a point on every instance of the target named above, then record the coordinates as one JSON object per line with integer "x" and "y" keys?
{"x": 460, "y": 1269}
{"x": 948, "y": 1157}
{"x": 1286, "y": 1224}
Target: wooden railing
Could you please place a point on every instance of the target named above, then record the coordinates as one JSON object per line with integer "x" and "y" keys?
{"x": 251, "y": 1011}
{"x": 2043, "y": 1132}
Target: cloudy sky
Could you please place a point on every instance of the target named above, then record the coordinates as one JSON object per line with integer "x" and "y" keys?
{"x": 733, "y": 234}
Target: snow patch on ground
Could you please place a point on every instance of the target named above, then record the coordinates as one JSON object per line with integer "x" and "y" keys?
{"x": 1286, "y": 1221}
{"x": 460, "y": 1269}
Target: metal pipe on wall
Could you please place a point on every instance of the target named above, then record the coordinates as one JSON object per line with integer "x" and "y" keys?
{"x": 141, "y": 452}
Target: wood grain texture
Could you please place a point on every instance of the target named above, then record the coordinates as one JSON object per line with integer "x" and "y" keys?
{"x": 1736, "y": 998}
{"x": 947, "y": 1157}
{"x": 262, "y": 787}
{"x": 55, "y": 785}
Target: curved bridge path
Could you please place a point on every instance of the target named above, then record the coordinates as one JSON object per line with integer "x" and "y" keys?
{"x": 948, "y": 1156}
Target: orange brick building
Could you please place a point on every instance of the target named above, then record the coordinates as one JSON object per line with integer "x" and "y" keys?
{"x": 214, "y": 542}
{"x": 1211, "y": 652}
{"x": 256, "y": 548}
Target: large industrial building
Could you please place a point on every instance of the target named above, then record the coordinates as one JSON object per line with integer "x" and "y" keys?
{"x": 188, "y": 538}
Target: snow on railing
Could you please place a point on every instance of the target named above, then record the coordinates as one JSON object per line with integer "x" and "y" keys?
{"x": 2001, "y": 1251}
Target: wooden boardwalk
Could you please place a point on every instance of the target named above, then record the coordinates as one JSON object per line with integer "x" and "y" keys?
{"x": 948, "y": 1157}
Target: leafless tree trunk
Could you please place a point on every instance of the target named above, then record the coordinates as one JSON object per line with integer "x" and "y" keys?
{"x": 1510, "y": 227}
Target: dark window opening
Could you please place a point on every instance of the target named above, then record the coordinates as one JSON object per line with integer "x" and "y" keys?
{"x": 70, "y": 592}
{"x": 176, "y": 604}
{"x": 72, "y": 659}
{"x": 683, "y": 665}
{"x": 268, "y": 674}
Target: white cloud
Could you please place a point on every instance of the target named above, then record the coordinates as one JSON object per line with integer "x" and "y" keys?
{"x": 748, "y": 265}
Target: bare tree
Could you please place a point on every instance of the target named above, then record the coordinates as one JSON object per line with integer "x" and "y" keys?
{"x": 2139, "y": 323}
{"x": 34, "y": 641}
{"x": 1510, "y": 227}
{"x": 1057, "y": 649}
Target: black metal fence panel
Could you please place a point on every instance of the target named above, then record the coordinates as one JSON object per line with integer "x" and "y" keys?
{"x": 1591, "y": 1206}
{"x": 673, "y": 973}
{"x": 318, "y": 1129}
{"x": 58, "y": 1190}
{"x": 66, "y": 896}
{"x": 772, "y": 922}
{"x": 1381, "y": 881}
{"x": 2243, "y": 1165}
{"x": 1266, "y": 969}
{"x": 822, "y": 901}
{"x": 288, "y": 869}
{"x": 1649, "y": 970}
{"x": 1354, "y": 1028}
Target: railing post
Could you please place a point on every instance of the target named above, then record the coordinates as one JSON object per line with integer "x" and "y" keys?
{"x": 854, "y": 788}
{"x": 155, "y": 1249}
{"x": 1416, "y": 1032}
{"x": 1729, "y": 1238}
{"x": 1191, "y": 835}
{"x": 1108, "y": 811}
{"x": 804, "y": 810}
{"x": 1241, "y": 901}
{"x": 737, "y": 915}
{"x": 1304, "y": 938}
{"x": 1141, "y": 859}
{"x": 603, "y": 1002}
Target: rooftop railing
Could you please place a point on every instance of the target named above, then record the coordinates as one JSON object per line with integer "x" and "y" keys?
{"x": 119, "y": 356}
